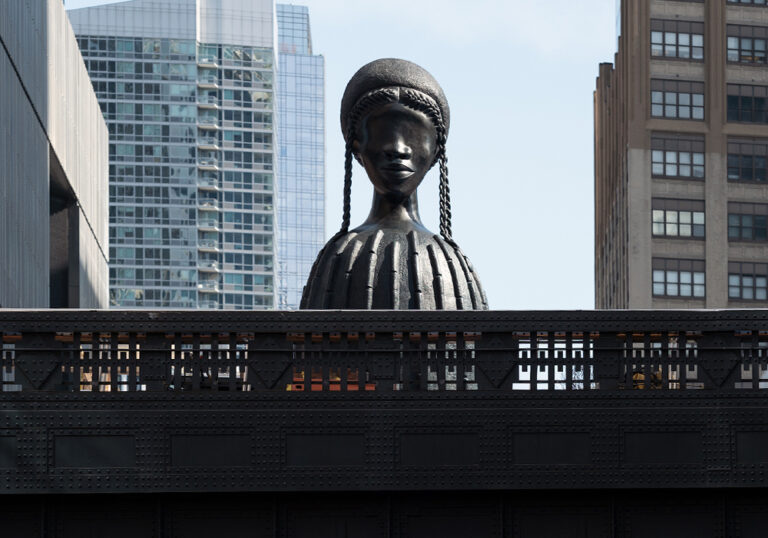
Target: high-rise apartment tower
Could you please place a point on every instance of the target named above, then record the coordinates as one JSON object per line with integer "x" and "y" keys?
{"x": 301, "y": 159}
{"x": 681, "y": 140}
{"x": 189, "y": 92}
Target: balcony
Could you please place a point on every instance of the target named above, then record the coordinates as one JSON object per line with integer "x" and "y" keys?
{"x": 207, "y": 122}
{"x": 208, "y": 205}
{"x": 208, "y": 61}
{"x": 209, "y": 266}
{"x": 208, "y": 245}
{"x": 208, "y": 286}
{"x": 208, "y": 163}
{"x": 208, "y": 183}
{"x": 208, "y": 82}
{"x": 208, "y": 305}
{"x": 208, "y": 225}
{"x": 208, "y": 143}
{"x": 207, "y": 101}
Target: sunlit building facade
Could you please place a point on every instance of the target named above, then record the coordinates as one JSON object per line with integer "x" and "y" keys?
{"x": 681, "y": 146}
{"x": 301, "y": 170}
{"x": 187, "y": 88}
{"x": 53, "y": 166}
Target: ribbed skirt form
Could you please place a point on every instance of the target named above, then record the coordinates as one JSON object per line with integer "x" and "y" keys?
{"x": 395, "y": 270}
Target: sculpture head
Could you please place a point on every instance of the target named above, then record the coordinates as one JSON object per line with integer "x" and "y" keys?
{"x": 396, "y": 143}
{"x": 395, "y": 119}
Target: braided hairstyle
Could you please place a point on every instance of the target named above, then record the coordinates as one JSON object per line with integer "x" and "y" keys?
{"x": 415, "y": 100}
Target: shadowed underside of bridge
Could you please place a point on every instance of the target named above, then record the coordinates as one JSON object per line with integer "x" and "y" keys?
{"x": 349, "y": 423}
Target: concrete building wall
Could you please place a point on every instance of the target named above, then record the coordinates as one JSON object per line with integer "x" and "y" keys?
{"x": 48, "y": 112}
{"x": 23, "y": 197}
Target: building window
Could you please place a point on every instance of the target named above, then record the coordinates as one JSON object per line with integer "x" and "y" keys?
{"x": 678, "y": 278}
{"x": 748, "y": 281}
{"x": 746, "y": 44}
{"x": 747, "y": 103}
{"x": 677, "y": 218}
{"x": 677, "y": 99}
{"x": 761, "y": 3}
{"x": 677, "y": 39}
{"x": 747, "y": 159}
{"x": 677, "y": 156}
{"x": 747, "y": 222}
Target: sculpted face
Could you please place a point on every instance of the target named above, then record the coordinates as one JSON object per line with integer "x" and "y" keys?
{"x": 396, "y": 145}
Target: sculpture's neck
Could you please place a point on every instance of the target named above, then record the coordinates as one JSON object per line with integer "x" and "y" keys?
{"x": 390, "y": 211}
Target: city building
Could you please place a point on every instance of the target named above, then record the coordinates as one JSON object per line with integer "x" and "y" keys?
{"x": 188, "y": 90}
{"x": 53, "y": 165}
{"x": 681, "y": 140}
{"x": 301, "y": 160}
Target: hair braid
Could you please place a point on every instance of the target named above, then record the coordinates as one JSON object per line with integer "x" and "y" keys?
{"x": 445, "y": 198}
{"x": 347, "y": 186}
{"x": 429, "y": 106}
{"x": 363, "y": 105}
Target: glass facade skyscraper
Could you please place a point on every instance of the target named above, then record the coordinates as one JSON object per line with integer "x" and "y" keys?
{"x": 301, "y": 170}
{"x": 187, "y": 88}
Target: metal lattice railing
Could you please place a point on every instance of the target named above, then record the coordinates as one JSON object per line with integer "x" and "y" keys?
{"x": 110, "y": 351}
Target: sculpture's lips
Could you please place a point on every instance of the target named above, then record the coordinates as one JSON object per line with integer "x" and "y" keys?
{"x": 397, "y": 167}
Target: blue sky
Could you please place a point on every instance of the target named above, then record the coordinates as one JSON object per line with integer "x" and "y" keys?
{"x": 519, "y": 77}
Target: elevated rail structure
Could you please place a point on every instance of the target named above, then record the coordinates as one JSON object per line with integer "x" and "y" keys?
{"x": 383, "y": 423}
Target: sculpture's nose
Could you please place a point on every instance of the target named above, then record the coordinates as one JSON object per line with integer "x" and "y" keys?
{"x": 398, "y": 149}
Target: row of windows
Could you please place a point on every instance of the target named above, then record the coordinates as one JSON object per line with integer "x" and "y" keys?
{"x": 175, "y": 48}
{"x": 153, "y": 277}
{"x": 686, "y": 278}
{"x": 143, "y": 92}
{"x": 150, "y": 47}
{"x": 169, "y": 216}
{"x": 247, "y": 282}
{"x": 747, "y": 221}
{"x": 681, "y": 156}
{"x": 749, "y": 2}
{"x": 678, "y": 278}
{"x": 247, "y": 119}
{"x": 685, "y": 40}
{"x": 677, "y": 218}
{"x": 747, "y": 227}
{"x": 152, "y": 298}
{"x": 141, "y": 70}
{"x": 255, "y": 56}
{"x": 748, "y": 281}
{"x": 241, "y": 302}
{"x": 672, "y": 164}
{"x": 747, "y": 103}
{"x": 677, "y": 99}
{"x": 746, "y": 44}
{"x": 152, "y": 256}
{"x": 154, "y": 235}
{"x": 685, "y": 218}
{"x": 746, "y": 168}
{"x": 151, "y": 132}
{"x": 677, "y": 155}
{"x": 247, "y": 200}
{"x": 677, "y": 39}
{"x": 247, "y": 262}
{"x": 685, "y": 100}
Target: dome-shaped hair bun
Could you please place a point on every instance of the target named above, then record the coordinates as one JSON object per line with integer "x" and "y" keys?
{"x": 392, "y": 72}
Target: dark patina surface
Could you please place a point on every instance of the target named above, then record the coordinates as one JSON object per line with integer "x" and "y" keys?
{"x": 395, "y": 121}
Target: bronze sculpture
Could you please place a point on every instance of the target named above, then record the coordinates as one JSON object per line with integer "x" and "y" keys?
{"x": 395, "y": 119}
